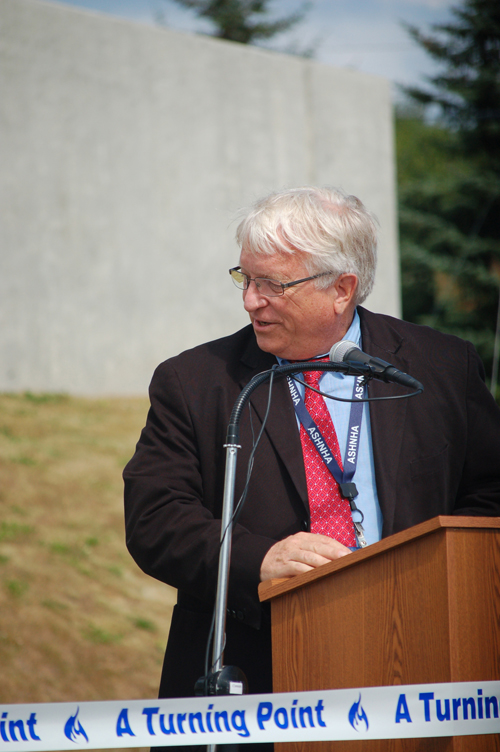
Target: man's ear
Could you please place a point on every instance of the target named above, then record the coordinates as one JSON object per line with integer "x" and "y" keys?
{"x": 345, "y": 287}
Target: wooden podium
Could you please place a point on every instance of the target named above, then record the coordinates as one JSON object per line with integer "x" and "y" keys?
{"x": 419, "y": 607}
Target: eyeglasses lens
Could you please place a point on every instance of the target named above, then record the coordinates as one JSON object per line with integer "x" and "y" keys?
{"x": 239, "y": 279}
{"x": 267, "y": 287}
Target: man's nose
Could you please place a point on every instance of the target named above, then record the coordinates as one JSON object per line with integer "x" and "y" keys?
{"x": 253, "y": 298}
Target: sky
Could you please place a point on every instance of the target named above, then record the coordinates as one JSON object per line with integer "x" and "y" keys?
{"x": 364, "y": 35}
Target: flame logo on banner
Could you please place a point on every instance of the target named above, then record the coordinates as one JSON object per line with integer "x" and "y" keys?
{"x": 73, "y": 728}
{"x": 357, "y": 716}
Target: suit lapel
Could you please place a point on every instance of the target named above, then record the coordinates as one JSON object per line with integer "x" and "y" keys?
{"x": 281, "y": 426}
{"x": 387, "y": 418}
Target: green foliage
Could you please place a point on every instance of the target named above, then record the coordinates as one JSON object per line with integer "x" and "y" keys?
{"x": 449, "y": 181}
{"x": 423, "y": 149}
{"x": 17, "y": 588}
{"x": 146, "y": 624}
{"x": 44, "y": 398}
{"x": 54, "y": 605}
{"x": 11, "y": 531}
{"x": 99, "y": 636}
{"x": 242, "y": 20}
{"x": 468, "y": 90}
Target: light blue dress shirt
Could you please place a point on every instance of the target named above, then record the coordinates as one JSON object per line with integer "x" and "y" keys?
{"x": 342, "y": 386}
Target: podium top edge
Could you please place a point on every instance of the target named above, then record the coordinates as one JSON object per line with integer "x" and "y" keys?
{"x": 273, "y": 588}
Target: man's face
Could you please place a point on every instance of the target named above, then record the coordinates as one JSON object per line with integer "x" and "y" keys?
{"x": 302, "y": 323}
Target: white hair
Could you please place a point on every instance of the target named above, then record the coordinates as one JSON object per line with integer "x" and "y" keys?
{"x": 335, "y": 231}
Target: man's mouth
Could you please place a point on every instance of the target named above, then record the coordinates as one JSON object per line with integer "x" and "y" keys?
{"x": 258, "y": 322}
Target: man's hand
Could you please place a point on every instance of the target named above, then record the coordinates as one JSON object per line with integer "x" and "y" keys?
{"x": 300, "y": 553}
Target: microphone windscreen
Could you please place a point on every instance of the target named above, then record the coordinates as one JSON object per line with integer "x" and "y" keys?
{"x": 341, "y": 349}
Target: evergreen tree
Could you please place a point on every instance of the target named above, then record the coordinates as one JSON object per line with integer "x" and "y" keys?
{"x": 242, "y": 20}
{"x": 468, "y": 91}
{"x": 450, "y": 215}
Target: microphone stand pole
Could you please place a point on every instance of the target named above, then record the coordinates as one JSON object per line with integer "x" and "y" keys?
{"x": 231, "y": 446}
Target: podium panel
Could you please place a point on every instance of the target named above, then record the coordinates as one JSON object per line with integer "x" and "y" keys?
{"x": 422, "y": 606}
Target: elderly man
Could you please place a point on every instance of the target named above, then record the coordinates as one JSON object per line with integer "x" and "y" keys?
{"x": 307, "y": 263}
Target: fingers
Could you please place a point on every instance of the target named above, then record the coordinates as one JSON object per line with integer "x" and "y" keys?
{"x": 300, "y": 553}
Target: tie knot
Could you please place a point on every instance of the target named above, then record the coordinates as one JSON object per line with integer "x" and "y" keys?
{"x": 312, "y": 378}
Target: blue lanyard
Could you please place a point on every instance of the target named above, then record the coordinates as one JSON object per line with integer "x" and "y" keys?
{"x": 343, "y": 477}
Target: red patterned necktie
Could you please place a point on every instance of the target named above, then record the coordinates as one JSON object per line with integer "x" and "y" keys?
{"x": 330, "y": 512}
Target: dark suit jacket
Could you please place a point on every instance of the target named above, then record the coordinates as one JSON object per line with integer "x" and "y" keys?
{"x": 437, "y": 453}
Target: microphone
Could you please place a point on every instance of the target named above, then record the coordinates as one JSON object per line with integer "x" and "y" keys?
{"x": 345, "y": 351}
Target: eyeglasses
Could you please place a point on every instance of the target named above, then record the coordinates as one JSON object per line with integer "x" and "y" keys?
{"x": 270, "y": 288}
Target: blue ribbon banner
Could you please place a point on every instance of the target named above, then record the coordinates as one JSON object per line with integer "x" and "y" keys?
{"x": 397, "y": 712}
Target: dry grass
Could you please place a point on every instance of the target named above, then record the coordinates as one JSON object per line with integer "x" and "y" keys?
{"x": 78, "y": 620}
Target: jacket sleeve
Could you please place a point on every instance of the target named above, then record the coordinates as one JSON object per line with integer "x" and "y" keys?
{"x": 173, "y": 497}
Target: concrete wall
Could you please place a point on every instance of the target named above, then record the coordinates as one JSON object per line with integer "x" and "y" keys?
{"x": 125, "y": 152}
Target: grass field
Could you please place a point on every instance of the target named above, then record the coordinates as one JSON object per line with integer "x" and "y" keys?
{"x": 78, "y": 619}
